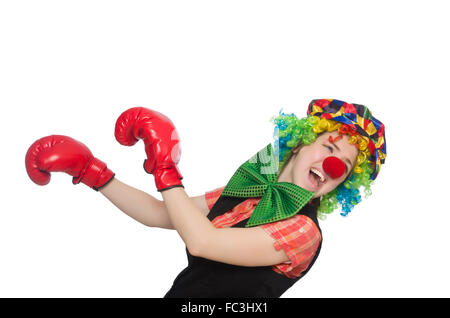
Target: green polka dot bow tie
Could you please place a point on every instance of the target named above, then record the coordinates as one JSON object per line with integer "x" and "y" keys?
{"x": 257, "y": 177}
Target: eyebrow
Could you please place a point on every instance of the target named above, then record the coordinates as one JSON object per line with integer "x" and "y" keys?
{"x": 346, "y": 159}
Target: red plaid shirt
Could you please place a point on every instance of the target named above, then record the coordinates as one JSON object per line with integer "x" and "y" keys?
{"x": 298, "y": 236}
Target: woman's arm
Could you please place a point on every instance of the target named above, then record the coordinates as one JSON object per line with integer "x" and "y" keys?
{"x": 236, "y": 246}
{"x": 143, "y": 207}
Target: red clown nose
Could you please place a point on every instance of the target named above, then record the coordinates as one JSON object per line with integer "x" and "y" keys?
{"x": 334, "y": 167}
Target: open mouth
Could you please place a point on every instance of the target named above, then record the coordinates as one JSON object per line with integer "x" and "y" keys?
{"x": 316, "y": 177}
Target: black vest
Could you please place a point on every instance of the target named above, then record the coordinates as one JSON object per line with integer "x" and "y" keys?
{"x": 204, "y": 278}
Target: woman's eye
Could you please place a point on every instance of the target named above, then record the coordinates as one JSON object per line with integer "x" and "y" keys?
{"x": 329, "y": 148}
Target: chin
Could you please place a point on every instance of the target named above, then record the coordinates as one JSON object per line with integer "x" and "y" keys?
{"x": 306, "y": 187}
{"x": 316, "y": 195}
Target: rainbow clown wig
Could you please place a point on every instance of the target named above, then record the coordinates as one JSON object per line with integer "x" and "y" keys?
{"x": 356, "y": 121}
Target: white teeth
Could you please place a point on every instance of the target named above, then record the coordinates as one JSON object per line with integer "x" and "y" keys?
{"x": 317, "y": 172}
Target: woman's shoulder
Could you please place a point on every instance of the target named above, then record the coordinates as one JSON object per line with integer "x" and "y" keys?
{"x": 297, "y": 227}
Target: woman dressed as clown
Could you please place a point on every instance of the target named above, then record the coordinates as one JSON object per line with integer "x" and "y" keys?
{"x": 259, "y": 234}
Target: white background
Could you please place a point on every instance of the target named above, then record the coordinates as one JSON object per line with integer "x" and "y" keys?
{"x": 220, "y": 70}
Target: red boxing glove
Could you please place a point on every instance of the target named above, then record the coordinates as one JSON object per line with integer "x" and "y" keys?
{"x": 58, "y": 153}
{"x": 162, "y": 144}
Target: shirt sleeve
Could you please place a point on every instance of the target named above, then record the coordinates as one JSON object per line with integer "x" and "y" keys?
{"x": 299, "y": 237}
{"x": 212, "y": 196}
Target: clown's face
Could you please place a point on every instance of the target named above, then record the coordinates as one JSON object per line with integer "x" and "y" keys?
{"x": 309, "y": 158}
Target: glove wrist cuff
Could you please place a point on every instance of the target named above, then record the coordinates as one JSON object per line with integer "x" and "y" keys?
{"x": 167, "y": 177}
{"x": 95, "y": 175}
